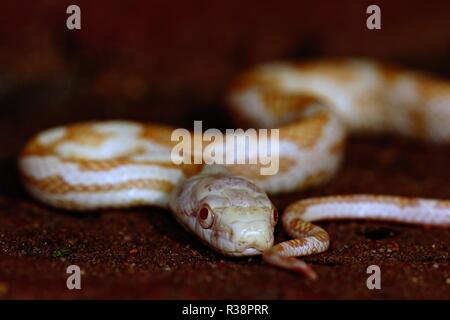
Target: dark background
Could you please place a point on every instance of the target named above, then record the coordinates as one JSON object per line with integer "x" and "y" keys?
{"x": 171, "y": 62}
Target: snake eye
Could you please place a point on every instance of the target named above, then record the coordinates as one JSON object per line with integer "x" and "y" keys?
{"x": 205, "y": 217}
{"x": 203, "y": 214}
{"x": 275, "y": 215}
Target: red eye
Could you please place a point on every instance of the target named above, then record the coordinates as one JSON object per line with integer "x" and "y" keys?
{"x": 205, "y": 217}
{"x": 203, "y": 214}
{"x": 275, "y": 215}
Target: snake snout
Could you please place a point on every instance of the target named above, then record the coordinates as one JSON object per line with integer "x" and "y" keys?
{"x": 253, "y": 238}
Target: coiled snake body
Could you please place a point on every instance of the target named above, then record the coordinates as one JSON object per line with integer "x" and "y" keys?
{"x": 96, "y": 165}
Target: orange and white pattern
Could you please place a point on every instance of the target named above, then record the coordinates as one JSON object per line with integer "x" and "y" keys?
{"x": 120, "y": 163}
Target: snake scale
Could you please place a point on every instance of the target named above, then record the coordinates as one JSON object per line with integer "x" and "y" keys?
{"x": 94, "y": 165}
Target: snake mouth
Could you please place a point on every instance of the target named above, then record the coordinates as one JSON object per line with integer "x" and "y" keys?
{"x": 251, "y": 252}
{"x": 230, "y": 249}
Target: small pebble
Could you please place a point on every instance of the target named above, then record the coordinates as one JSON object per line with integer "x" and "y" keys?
{"x": 393, "y": 246}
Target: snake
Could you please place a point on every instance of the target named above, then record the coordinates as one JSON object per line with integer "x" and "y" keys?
{"x": 315, "y": 105}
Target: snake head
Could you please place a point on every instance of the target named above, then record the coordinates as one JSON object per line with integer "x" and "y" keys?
{"x": 229, "y": 214}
